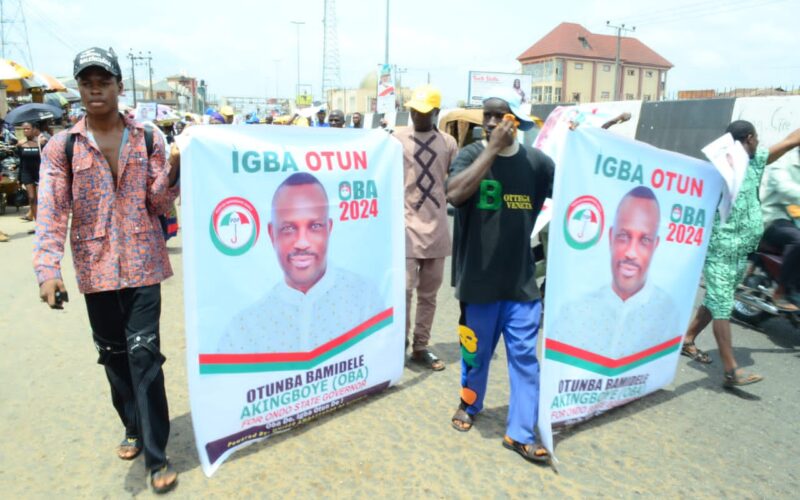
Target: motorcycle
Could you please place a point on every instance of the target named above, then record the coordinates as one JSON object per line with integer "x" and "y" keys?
{"x": 9, "y": 177}
{"x": 753, "y": 301}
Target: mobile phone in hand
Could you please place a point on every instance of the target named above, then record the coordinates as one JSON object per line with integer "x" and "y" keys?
{"x": 61, "y": 297}
{"x": 513, "y": 119}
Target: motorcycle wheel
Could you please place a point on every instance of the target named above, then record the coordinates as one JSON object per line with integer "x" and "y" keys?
{"x": 745, "y": 312}
{"x": 748, "y": 314}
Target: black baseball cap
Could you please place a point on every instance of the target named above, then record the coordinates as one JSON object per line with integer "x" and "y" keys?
{"x": 105, "y": 59}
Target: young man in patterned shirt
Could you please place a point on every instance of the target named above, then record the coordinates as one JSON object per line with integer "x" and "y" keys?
{"x": 103, "y": 173}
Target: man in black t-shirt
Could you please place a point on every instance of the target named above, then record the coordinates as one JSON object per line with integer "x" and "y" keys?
{"x": 498, "y": 187}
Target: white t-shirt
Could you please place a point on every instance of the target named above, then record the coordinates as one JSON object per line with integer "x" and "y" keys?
{"x": 604, "y": 324}
{"x": 288, "y": 320}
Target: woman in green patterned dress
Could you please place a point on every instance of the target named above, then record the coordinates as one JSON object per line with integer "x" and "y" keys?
{"x": 726, "y": 260}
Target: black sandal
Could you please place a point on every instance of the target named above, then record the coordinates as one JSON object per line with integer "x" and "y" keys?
{"x": 428, "y": 359}
{"x": 696, "y": 355}
{"x": 128, "y": 444}
{"x": 165, "y": 470}
{"x": 462, "y": 416}
{"x": 531, "y": 452}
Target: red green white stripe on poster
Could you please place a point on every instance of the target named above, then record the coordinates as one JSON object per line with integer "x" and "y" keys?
{"x": 579, "y": 358}
{"x": 287, "y": 361}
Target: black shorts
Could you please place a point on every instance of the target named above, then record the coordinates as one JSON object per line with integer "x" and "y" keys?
{"x": 29, "y": 174}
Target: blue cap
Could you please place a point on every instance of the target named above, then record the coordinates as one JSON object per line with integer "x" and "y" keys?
{"x": 514, "y": 102}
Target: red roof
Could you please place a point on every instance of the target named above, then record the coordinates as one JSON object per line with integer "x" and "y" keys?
{"x": 564, "y": 40}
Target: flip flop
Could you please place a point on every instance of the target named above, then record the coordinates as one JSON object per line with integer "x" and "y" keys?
{"x": 535, "y": 453}
{"x": 738, "y": 377}
{"x": 429, "y": 359}
{"x": 127, "y": 445}
{"x": 163, "y": 472}
{"x": 465, "y": 418}
{"x": 697, "y": 355}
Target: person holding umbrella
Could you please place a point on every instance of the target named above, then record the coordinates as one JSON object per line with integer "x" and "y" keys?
{"x": 30, "y": 156}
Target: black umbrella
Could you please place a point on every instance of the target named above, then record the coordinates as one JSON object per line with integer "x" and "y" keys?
{"x": 33, "y": 112}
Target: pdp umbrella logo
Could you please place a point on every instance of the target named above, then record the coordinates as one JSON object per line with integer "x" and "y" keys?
{"x": 234, "y": 226}
{"x": 583, "y": 224}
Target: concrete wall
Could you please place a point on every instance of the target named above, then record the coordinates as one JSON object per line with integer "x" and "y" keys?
{"x": 687, "y": 126}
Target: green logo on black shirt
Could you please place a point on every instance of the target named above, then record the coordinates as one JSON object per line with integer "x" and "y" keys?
{"x": 491, "y": 197}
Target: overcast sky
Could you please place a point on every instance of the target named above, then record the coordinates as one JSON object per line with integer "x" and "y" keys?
{"x": 234, "y": 44}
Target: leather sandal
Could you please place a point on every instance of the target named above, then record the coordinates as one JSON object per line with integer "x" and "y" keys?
{"x": 164, "y": 472}
{"x": 531, "y": 452}
{"x": 129, "y": 448}
{"x": 428, "y": 359}
{"x": 738, "y": 377}
{"x": 694, "y": 353}
{"x": 464, "y": 418}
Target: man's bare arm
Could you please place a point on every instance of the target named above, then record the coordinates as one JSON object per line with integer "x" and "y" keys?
{"x": 790, "y": 142}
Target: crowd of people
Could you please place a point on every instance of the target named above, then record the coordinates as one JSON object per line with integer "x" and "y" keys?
{"x": 88, "y": 173}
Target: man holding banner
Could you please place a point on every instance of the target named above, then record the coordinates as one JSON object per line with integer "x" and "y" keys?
{"x": 730, "y": 244}
{"x": 498, "y": 187}
{"x": 314, "y": 302}
{"x": 629, "y": 315}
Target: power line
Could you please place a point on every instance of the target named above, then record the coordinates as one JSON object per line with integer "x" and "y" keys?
{"x": 654, "y": 14}
{"x": 704, "y": 11}
{"x": 50, "y": 26}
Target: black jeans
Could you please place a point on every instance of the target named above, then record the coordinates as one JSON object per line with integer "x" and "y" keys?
{"x": 784, "y": 235}
{"x": 125, "y": 327}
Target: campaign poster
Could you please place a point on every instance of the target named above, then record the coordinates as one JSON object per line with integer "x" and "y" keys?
{"x": 628, "y": 237}
{"x": 386, "y": 92}
{"x": 145, "y": 111}
{"x": 294, "y": 276}
{"x": 481, "y": 84}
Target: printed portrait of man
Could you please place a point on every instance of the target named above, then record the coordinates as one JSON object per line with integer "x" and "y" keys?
{"x": 630, "y": 314}
{"x": 314, "y": 302}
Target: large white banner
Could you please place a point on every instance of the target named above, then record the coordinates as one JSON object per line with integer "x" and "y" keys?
{"x": 628, "y": 237}
{"x": 774, "y": 118}
{"x": 294, "y": 274}
{"x": 481, "y": 84}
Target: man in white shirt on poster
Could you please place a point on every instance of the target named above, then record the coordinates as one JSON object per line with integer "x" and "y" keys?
{"x": 631, "y": 315}
{"x": 314, "y": 303}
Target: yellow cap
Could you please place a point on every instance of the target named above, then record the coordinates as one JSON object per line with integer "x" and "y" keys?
{"x": 425, "y": 98}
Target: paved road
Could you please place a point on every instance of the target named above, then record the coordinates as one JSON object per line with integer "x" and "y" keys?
{"x": 693, "y": 439}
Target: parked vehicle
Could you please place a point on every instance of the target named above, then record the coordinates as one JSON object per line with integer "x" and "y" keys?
{"x": 753, "y": 302}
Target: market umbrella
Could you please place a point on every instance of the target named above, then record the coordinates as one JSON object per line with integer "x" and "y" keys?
{"x": 56, "y": 99}
{"x": 71, "y": 95}
{"x": 16, "y": 77}
{"x": 48, "y": 83}
{"x": 33, "y": 112}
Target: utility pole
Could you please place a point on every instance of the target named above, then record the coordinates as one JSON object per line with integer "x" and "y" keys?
{"x": 619, "y": 29}
{"x": 150, "y": 71}
{"x": 386, "y": 51}
{"x": 297, "y": 87}
{"x": 134, "y": 61}
{"x": 399, "y": 72}
{"x": 133, "y": 75}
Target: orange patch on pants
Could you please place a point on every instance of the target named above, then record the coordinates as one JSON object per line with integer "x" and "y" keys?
{"x": 468, "y": 395}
